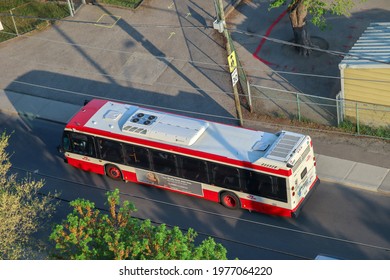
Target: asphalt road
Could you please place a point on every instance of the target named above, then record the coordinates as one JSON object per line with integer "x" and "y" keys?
{"x": 337, "y": 220}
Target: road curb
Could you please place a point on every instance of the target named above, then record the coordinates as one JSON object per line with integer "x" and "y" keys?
{"x": 358, "y": 175}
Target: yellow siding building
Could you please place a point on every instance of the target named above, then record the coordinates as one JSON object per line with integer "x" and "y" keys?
{"x": 365, "y": 77}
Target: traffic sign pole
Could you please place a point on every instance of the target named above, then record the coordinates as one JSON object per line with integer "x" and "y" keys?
{"x": 232, "y": 60}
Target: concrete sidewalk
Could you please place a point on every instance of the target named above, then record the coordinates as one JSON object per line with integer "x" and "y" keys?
{"x": 345, "y": 172}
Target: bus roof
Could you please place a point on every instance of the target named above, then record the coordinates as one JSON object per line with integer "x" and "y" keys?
{"x": 256, "y": 147}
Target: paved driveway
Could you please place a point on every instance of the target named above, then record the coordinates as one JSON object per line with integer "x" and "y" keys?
{"x": 159, "y": 54}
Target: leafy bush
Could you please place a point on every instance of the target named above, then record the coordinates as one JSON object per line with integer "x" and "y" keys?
{"x": 89, "y": 234}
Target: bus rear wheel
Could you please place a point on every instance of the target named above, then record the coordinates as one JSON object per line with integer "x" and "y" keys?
{"x": 113, "y": 172}
{"x": 230, "y": 200}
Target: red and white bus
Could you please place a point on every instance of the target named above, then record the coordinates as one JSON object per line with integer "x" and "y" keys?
{"x": 237, "y": 167}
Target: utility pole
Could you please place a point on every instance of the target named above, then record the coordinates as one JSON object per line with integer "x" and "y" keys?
{"x": 232, "y": 62}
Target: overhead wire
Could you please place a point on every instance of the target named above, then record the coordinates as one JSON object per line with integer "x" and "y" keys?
{"x": 213, "y": 64}
{"x": 204, "y": 115}
{"x": 251, "y": 34}
{"x": 265, "y": 97}
{"x": 224, "y": 66}
{"x": 331, "y": 52}
{"x": 180, "y": 86}
{"x": 86, "y": 96}
{"x": 279, "y": 41}
{"x": 216, "y": 237}
{"x": 202, "y": 211}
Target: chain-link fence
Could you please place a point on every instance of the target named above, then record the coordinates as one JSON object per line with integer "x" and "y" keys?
{"x": 15, "y": 22}
{"x": 74, "y": 5}
{"x": 294, "y": 105}
{"x": 356, "y": 117}
{"x": 20, "y": 18}
{"x": 366, "y": 117}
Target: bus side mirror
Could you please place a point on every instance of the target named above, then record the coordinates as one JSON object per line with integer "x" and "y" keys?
{"x": 60, "y": 149}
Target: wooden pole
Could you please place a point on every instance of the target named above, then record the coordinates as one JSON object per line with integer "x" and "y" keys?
{"x": 229, "y": 51}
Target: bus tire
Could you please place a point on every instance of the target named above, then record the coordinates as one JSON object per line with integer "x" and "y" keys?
{"x": 230, "y": 200}
{"x": 113, "y": 172}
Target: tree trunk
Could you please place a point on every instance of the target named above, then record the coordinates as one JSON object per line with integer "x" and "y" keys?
{"x": 298, "y": 13}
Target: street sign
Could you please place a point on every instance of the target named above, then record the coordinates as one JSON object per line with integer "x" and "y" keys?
{"x": 232, "y": 60}
{"x": 234, "y": 76}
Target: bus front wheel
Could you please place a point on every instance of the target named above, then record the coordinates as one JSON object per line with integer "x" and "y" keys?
{"x": 113, "y": 172}
{"x": 230, "y": 200}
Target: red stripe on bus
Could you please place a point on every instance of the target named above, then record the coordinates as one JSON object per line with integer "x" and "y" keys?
{"x": 207, "y": 194}
{"x": 185, "y": 151}
{"x": 86, "y": 166}
{"x": 80, "y": 119}
{"x": 265, "y": 208}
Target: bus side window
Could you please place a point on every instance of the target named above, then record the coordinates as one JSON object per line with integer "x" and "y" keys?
{"x": 266, "y": 186}
{"x": 225, "y": 176}
{"x": 193, "y": 169}
{"x": 252, "y": 182}
{"x": 82, "y": 144}
{"x": 110, "y": 150}
{"x": 66, "y": 142}
{"x": 137, "y": 156}
{"x": 164, "y": 162}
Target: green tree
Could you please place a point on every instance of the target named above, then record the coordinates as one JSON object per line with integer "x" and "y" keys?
{"x": 22, "y": 211}
{"x": 317, "y": 9}
{"x": 89, "y": 234}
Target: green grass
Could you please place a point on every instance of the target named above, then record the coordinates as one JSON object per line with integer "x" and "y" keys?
{"x": 28, "y": 8}
{"x": 122, "y": 3}
{"x": 34, "y": 8}
{"x": 7, "y": 5}
{"x": 382, "y": 132}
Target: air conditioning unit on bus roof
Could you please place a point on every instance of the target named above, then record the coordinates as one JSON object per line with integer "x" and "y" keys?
{"x": 284, "y": 147}
{"x": 143, "y": 118}
{"x": 167, "y": 128}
